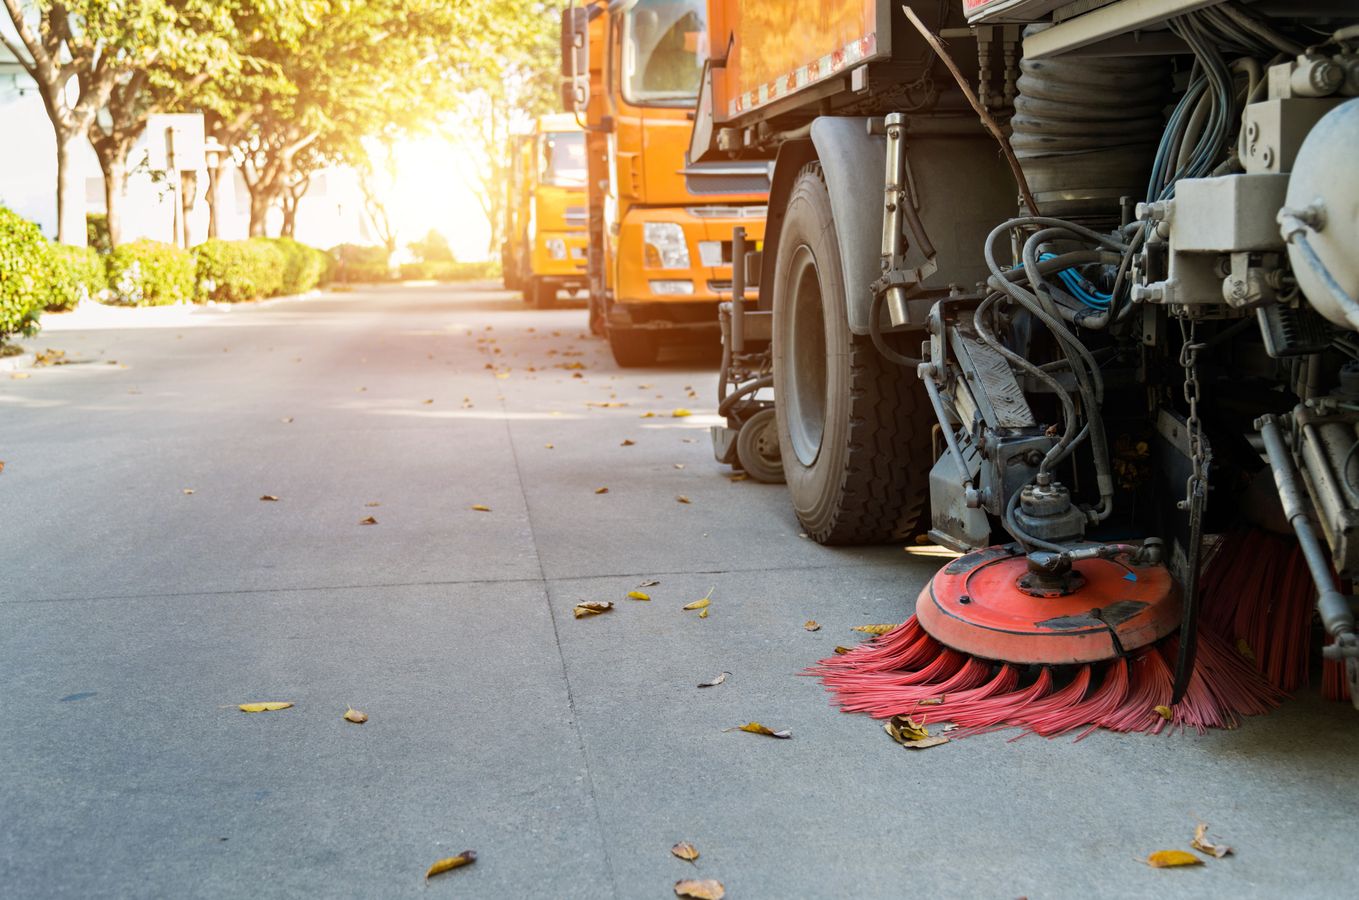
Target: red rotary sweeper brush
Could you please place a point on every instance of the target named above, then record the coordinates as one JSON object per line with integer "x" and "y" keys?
{"x": 998, "y": 642}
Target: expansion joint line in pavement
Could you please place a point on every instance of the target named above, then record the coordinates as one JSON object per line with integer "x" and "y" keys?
{"x": 561, "y": 657}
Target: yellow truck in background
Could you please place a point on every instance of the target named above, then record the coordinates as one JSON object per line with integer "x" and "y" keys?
{"x": 544, "y": 250}
{"x": 663, "y": 223}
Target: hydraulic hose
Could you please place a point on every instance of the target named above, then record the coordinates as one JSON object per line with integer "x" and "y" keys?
{"x": 746, "y": 389}
{"x": 875, "y": 332}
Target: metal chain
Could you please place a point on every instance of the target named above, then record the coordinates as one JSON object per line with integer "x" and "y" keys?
{"x": 1196, "y": 486}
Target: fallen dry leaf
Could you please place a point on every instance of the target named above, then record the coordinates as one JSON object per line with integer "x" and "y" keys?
{"x": 286, "y": 420}
{"x": 592, "y": 608}
{"x": 465, "y": 858}
{"x": 841, "y": 651}
{"x": 702, "y": 603}
{"x": 605, "y": 404}
{"x": 269, "y": 497}
{"x": 757, "y": 728}
{"x": 549, "y": 446}
{"x": 1166, "y": 859}
{"x": 873, "y": 629}
{"x": 50, "y": 358}
{"x": 703, "y": 613}
{"x": 427, "y": 402}
{"x": 627, "y": 442}
{"x": 700, "y": 889}
{"x": 601, "y": 490}
{"x": 269, "y": 706}
{"x": 1203, "y": 845}
{"x": 480, "y": 507}
{"x": 924, "y": 743}
{"x": 721, "y": 677}
{"x": 904, "y": 728}
{"x": 682, "y": 499}
{"x": 647, "y": 415}
{"x": 1165, "y": 712}
{"x": 18, "y": 376}
{"x": 685, "y": 851}
{"x": 638, "y": 595}
{"x": 679, "y": 465}
{"x": 812, "y": 625}
{"x": 353, "y": 715}
{"x": 182, "y": 490}
{"x": 368, "y": 521}
{"x": 650, "y": 582}
{"x": 737, "y": 476}
{"x": 680, "y": 413}
{"x": 374, "y": 503}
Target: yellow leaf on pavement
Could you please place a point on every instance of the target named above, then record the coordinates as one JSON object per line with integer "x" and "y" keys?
{"x": 682, "y": 499}
{"x": 904, "y": 728}
{"x": 286, "y": 420}
{"x": 465, "y": 858}
{"x": 703, "y": 613}
{"x": 427, "y": 402}
{"x": 1165, "y": 712}
{"x": 680, "y": 413}
{"x": 269, "y": 497}
{"x": 353, "y": 715}
{"x": 606, "y": 404}
{"x": 271, "y": 706}
{"x": 873, "y": 629}
{"x": 1203, "y": 845}
{"x": 627, "y": 442}
{"x": 699, "y": 604}
{"x": 638, "y": 595}
{"x": 685, "y": 851}
{"x": 480, "y": 507}
{"x": 757, "y": 728}
{"x": 183, "y": 490}
{"x": 812, "y": 625}
{"x": 1166, "y": 859}
{"x": 368, "y": 521}
{"x": 592, "y": 608}
{"x": 548, "y": 446}
{"x": 700, "y": 889}
{"x": 841, "y": 651}
{"x": 601, "y": 490}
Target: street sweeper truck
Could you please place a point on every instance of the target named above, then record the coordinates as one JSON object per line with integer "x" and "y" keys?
{"x": 544, "y": 247}
{"x": 1070, "y": 287}
{"x": 663, "y": 222}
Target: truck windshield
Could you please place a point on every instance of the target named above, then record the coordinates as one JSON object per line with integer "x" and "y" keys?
{"x": 665, "y": 43}
{"x": 563, "y": 158}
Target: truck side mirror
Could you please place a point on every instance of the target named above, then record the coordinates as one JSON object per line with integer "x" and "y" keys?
{"x": 575, "y": 42}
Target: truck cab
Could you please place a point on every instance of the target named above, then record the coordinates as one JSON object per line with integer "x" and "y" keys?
{"x": 544, "y": 250}
{"x": 664, "y": 223}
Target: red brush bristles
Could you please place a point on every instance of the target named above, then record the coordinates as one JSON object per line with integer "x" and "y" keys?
{"x": 976, "y": 695}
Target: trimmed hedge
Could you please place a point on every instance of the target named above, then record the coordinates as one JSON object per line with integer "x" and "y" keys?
{"x": 447, "y": 270}
{"x": 304, "y": 267}
{"x": 85, "y": 267}
{"x": 149, "y": 273}
{"x": 355, "y": 263}
{"x": 32, "y": 277}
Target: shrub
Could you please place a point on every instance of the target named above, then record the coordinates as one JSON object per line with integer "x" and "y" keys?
{"x": 446, "y": 270}
{"x": 237, "y": 271}
{"x": 97, "y": 232}
{"x": 85, "y": 268}
{"x": 354, "y": 262}
{"x": 149, "y": 273}
{"x": 31, "y": 276}
{"x": 303, "y": 266}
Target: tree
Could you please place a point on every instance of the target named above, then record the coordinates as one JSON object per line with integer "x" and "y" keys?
{"x": 503, "y": 97}
{"x": 432, "y": 248}
{"x": 98, "y": 44}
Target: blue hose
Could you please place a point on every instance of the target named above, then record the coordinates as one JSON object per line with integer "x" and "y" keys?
{"x": 1080, "y": 288}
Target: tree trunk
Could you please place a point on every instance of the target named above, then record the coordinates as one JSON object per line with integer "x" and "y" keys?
{"x": 259, "y": 211}
{"x": 289, "y": 219}
{"x": 70, "y": 191}
{"x": 115, "y": 189}
{"x": 214, "y": 181}
{"x": 188, "y": 199}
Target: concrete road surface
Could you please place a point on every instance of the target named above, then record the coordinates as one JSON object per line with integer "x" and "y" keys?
{"x": 146, "y": 590}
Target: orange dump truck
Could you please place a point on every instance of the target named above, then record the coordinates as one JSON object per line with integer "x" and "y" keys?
{"x": 664, "y": 223}
{"x": 544, "y": 250}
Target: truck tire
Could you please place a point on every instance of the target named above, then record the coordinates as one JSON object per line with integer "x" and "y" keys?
{"x": 757, "y": 448}
{"x": 633, "y": 347}
{"x": 541, "y": 293}
{"x": 854, "y": 429}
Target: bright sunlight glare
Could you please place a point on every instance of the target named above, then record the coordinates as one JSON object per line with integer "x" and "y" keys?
{"x": 433, "y": 189}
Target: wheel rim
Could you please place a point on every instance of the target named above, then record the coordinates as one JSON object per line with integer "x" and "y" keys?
{"x": 767, "y": 443}
{"x": 806, "y": 403}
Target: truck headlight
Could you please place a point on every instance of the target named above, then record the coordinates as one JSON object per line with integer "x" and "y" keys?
{"x": 672, "y": 288}
{"x": 665, "y": 244}
{"x": 556, "y": 248}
